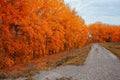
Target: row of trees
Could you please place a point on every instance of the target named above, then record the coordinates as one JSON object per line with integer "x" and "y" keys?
{"x": 30, "y": 29}
{"x": 99, "y": 32}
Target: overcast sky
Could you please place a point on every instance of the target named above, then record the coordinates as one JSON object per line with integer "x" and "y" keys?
{"x": 106, "y": 11}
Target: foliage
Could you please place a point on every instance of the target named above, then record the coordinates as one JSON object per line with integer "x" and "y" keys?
{"x": 99, "y": 32}
{"x": 30, "y": 29}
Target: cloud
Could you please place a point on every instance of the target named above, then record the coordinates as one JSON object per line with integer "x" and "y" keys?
{"x": 114, "y": 20}
{"x": 97, "y": 10}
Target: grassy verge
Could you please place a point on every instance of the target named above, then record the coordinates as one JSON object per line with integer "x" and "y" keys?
{"x": 113, "y": 47}
{"x": 78, "y": 58}
{"x": 65, "y": 78}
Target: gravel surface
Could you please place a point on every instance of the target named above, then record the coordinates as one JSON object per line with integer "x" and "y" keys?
{"x": 100, "y": 64}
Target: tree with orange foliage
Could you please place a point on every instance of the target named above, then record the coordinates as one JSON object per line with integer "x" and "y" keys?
{"x": 30, "y": 29}
{"x": 104, "y": 33}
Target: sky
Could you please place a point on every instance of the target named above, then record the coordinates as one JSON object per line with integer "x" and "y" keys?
{"x": 105, "y": 11}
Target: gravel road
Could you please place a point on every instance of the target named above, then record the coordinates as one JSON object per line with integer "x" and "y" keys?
{"x": 100, "y": 64}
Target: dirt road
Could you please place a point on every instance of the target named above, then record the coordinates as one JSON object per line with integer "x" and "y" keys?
{"x": 100, "y": 64}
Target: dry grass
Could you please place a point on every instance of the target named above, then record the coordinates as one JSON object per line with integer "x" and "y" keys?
{"x": 65, "y": 78}
{"x": 113, "y": 47}
{"x": 78, "y": 58}
{"x": 3, "y": 75}
{"x": 30, "y": 71}
{"x": 29, "y": 78}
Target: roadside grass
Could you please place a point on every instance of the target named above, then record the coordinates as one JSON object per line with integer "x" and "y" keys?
{"x": 78, "y": 58}
{"x": 30, "y": 71}
{"x": 113, "y": 47}
{"x": 65, "y": 78}
{"x": 3, "y": 75}
{"x": 29, "y": 78}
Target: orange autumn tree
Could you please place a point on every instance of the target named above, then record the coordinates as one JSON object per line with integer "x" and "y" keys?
{"x": 30, "y": 29}
{"x": 104, "y": 33}
{"x": 115, "y": 37}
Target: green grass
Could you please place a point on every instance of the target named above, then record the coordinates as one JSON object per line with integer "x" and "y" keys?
{"x": 113, "y": 47}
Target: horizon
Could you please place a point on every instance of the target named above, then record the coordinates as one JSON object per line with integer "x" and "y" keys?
{"x": 104, "y": 11}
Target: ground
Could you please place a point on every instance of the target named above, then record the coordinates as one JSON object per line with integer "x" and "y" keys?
{"x": 101, "y": 64}
{"x": 113, "y": 47}
{"x": 48, "y": 62}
